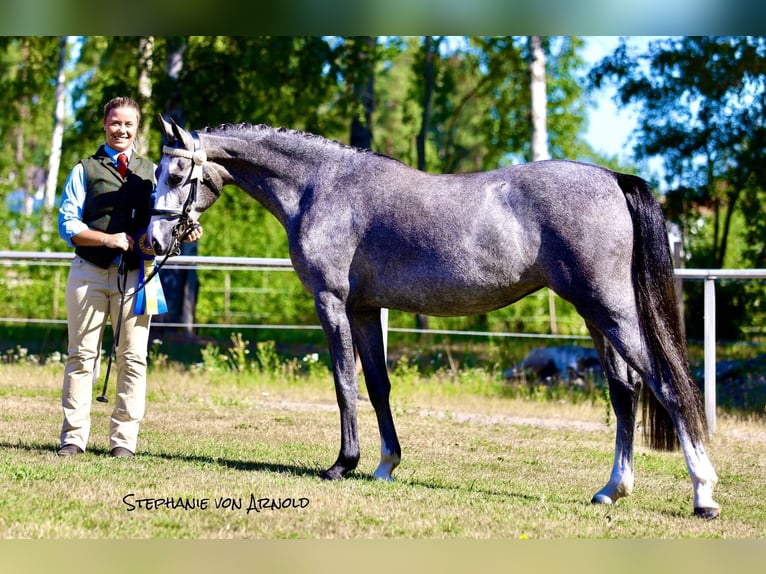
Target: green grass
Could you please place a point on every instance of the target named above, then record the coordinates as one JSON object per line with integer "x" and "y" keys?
{"x": 476, "y": 465}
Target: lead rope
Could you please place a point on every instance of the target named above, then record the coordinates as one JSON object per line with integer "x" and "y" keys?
{"x": 122, "y": 281}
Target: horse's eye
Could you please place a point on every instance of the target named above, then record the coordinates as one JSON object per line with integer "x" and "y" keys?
{"x": 175, "y": 180}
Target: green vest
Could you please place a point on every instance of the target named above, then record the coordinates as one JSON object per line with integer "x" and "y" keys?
{"x": 114, "y": 205}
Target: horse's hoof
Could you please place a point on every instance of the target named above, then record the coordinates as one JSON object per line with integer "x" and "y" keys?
{"x": 334, "y": 473}
{"x": 384, "y": 476}
{"x": 706, "y": 513}
{"x": 601, "y": 499}
{"x": 329, "y": 475}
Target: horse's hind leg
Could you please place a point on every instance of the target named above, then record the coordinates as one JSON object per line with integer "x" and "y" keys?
{"x": 368, "y": 337}
{"x": 624, "y": 386}
{"x": 626, "y": 339}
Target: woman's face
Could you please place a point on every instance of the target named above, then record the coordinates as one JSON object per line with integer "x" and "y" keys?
{"x": 121, "y": 126}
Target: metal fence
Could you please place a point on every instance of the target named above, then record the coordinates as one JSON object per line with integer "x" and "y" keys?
{"x": 709, "y": 276}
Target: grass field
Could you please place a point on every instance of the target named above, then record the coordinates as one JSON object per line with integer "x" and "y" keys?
{"x": 233, "y": 456}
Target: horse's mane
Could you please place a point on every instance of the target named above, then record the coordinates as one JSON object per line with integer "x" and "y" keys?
{"x": 247, "y": 127}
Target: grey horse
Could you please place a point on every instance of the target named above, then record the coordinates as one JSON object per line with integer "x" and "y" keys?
{"x": 367, "y": 232}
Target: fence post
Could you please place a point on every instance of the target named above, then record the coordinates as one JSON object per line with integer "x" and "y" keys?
{"x": 384, "y": 327}
{"x": 710, "y": 350}
{"x": 56, "y": 292}
{"x": 679, "y": 282}
{"x": 227, "y": 297}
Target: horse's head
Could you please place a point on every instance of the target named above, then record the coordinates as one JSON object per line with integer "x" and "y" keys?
{"x": 186, "y": 186}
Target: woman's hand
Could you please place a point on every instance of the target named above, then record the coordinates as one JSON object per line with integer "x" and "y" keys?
{"x": 194, "y": 234}
{"x": 121, "y": 241}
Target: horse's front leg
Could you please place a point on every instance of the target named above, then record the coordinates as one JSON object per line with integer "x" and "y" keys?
{"x": 368, "y": 337}
{"x": 332, "y": 315}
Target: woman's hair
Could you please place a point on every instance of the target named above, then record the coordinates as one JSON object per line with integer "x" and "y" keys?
{"x": 122, "y": 102}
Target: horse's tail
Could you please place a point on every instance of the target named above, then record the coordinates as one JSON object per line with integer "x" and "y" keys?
{"x": 661, "y": 323}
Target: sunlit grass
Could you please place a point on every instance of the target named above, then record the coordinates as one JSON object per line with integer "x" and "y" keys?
{"x": 476, "y": 465}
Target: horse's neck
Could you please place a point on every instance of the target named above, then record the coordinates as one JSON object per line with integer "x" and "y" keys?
{"x": 271, "y": 167}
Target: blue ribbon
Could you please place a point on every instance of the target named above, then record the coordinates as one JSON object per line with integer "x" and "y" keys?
{"x": 150, "y": 298}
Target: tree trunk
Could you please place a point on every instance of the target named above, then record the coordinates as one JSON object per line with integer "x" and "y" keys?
{"x": 361, "y": 131}
{"x": 21, "y": 171}
{"x": 54, "y": 160}
{"x": 539, "y": 131}
{"x": 428, "y": 87}
{"x": 146, "y": 53}
{"x": 539, "y": 99}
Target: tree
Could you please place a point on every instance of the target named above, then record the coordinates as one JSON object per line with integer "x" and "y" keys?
{"x": 430, "y": 54}
{"x": 539, "y": 127}
{"x": 538, "y": 99}
{"x": 54, "y": 159}
{"x": 145, "y": 66}
{"x": 364, "y": 92}
{"x": 28, "y": 68}
{"x": 181, "y": 286}
{"x": 702, "y": 112}
{"x": 479, "y": 103}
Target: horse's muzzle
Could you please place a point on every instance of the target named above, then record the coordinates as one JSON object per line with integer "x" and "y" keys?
{"x": 160, "y": 235}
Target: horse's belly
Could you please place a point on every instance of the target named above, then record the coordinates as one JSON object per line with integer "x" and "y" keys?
{"x": 444, "y": 297}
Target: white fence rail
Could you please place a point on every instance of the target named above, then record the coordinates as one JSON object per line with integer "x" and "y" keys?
{"x": 710, "y": 276}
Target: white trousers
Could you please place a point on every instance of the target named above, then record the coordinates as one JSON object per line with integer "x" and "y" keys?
{"x": 92, "y": 297}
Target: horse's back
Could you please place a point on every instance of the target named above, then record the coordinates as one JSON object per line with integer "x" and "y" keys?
{"x": 564, "y": 186}
{"x": 523, "y": 192}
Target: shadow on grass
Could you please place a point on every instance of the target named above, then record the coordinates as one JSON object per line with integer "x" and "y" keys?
{"x": 315, "y": 471}
{"x": 297, "y": 469}
{"x": 242, "y": 465}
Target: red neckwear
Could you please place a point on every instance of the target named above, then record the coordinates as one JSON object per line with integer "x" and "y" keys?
{"x": 122, "y": 164}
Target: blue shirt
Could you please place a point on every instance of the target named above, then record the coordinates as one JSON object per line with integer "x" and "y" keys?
{"x": 73, "y": 199}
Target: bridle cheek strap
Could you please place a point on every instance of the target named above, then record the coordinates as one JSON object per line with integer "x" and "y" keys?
{"x": 196, "y": 175}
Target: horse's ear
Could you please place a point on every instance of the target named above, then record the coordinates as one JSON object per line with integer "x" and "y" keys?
{"x": 167, "y": 130}
{"x": 174, "y": 133}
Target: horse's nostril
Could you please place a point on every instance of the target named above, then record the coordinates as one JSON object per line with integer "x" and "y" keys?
{"x": 157, "y": 247}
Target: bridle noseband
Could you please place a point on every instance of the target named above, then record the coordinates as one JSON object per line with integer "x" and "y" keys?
{"x": 197, "y": 175}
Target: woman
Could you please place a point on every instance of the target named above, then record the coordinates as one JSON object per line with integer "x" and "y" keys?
{"x": 105, "y": 207}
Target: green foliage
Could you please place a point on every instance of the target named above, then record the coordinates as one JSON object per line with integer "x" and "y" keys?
{"x": 27, "y": 68}
{"x": 740, "y": 312}
{"x": 234, "y": 358}
{"x": 701, "y": 100}
{"x": 156, "y": 359}
{"x": 268, "y": 359}
{"x": 398, "y": 103}
{"x": 213, "y": 360}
